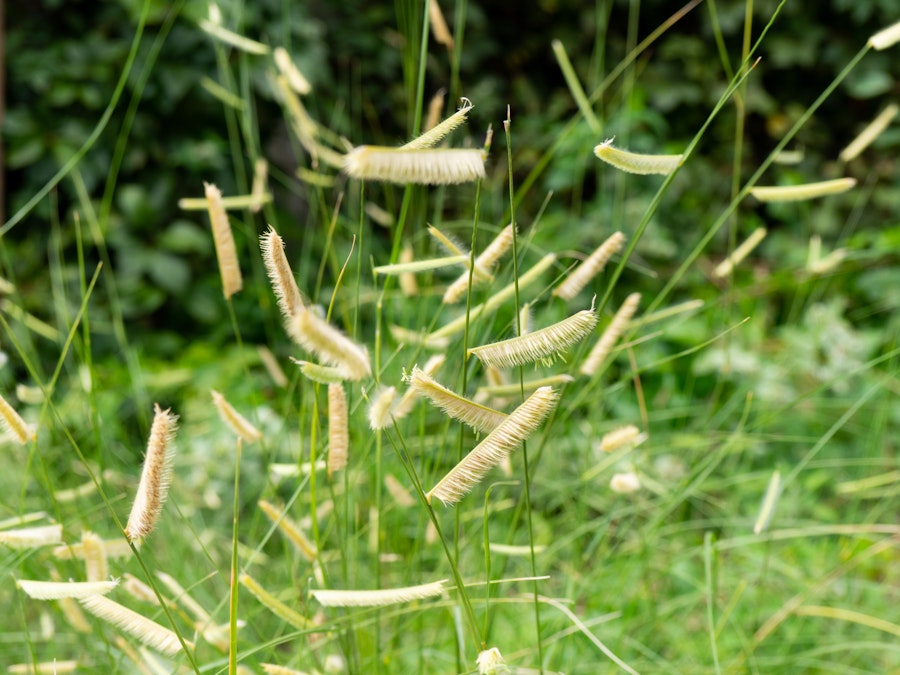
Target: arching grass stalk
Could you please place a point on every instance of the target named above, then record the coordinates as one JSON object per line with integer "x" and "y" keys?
{"x": 403, "y": 454}
{"x": 515, "y": 256}
{"x": 710, "y": 559}
{"x": 135, "y": 374}
{"x": 460, "y": 436}
{"x": 233, "y": 605}
{"x": 95, "y": 134}
{"x": 732, "y": 206}
{"x": 657, "y": 198}
{"x": 487, "y": 549}
{"x": 570, "y": 126}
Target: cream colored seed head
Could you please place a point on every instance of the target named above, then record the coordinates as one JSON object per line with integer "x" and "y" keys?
{"x": 794, "y": 193}
{"x": 155, "y": 477}
{"x": 380, "y": 408}
{"x": 280, "y": 275}
{"x": 540, "y": 344}
{"x": 422, "y": 167}
{"x": 496, "y": 446}
{"x": 624, "y": 483}
{"x": 229, "y": 269}
{"x": 330, "y": 344}
{"x": 235, "y": 421}
{"x": 590, "y": 268}
{"x": 338, "y": 432}
{"x": 632, "y": 162}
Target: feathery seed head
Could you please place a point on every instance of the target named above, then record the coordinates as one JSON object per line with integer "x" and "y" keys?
{"x": 406, "y": 402}
{"x": 229, "y": 269}
{"x": 408, "y": 284}
{"x": 56, "y": 590}
{"x": 540, "y": 344}
{"x": 484, "y": 265}
{"x": 137, "y": 625}
{"x": 632, "y": 162}
{"x": 435, "y": 108}
{"x": 338, "y": 433}
{"x": 14, "y": 424}
{"x": 290, "y": 530}
{"x": 496, "y": 446}
{"x": 379, "y": 598}
{"x": 439, "y": 25}
{"x": 872, "y": 131}
{"x": 795, "y": 193}
{"x": 280, "y": 275}
{"x": 490, "y": 662}
{"x": 421, "y": 167}
{"x": 618, "y": 437}
{"x": 440, "y": 131}
{"x": 320, "y": 374}
{"x": 479, "y": 417}
{"x": 726, "y": 267}
{"x": 624, "y": 483}
{"x": 155, "y": 476}
{"x": 331, "y": 345}
{"x": 886, "y": 38}
{"x": 32, "y": 537}
{"x": 95, "y": 563}
{"x": 289, "y": 70}
{"x": 611, "y": 335}
{"x": 590, "y": 268}
{"x": 235, "y": 421}
{"x": 380, "y": 408}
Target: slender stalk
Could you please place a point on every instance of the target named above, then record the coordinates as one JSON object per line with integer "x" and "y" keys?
{"x": 528, "y": 515}
{"x": 233, "y": 605}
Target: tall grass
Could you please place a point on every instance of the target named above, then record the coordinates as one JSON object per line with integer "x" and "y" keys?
{"x": 673, "y": 551}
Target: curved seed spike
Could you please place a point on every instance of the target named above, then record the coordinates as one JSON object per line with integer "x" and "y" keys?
{"x": 632, "y": 162}
{"x": 421, "y": 167}
{"x": 155, "y": 476}
{"x": 590, "y": 268}
{"x": 496, "y": 446}
{"x": 437, "y": 133}
{"x": 794, "y": 193}
{"x": 540, "y": 344}
{"x": 479, "y": 417}
{"x": 379, "y": 598}
{"x": 611, "y": 335}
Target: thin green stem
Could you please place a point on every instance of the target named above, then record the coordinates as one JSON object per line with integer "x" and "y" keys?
{"x": 528, "y": 511}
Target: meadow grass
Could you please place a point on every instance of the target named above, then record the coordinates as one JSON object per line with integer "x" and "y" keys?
{"x": 746, "y": 522}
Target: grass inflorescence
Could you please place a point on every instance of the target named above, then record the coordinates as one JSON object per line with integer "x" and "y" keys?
{"x": 638, "y": 486}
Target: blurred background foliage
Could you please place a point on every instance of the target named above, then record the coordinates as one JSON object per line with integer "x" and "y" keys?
{"x": 64, "y": 59}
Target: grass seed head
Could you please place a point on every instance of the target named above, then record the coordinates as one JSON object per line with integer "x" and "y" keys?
{"x": 886, "y": 38}
{"x": 496, "y": 446}
{"x": 625, "y": 483}
{"x": 280, "y": 275}
{"x": 611, "y": 335}
{"x": 226, "y": 253}
{"x": 137, "y": 625}
{"x": 539, "y": 345}
{"x": 338, "y": 433}
{"x": 235, "y": 421}
{"x": 155, "y": 476}
{"x": 632, "y": 162}
{"x": 590, "y": 268}
{"x": 331, "y": 345}
{"x": 796, "y": 193}
{"x": 14, "y": 424}
{"x": 420, "y": 167}
{"x": 378, "y": 598}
